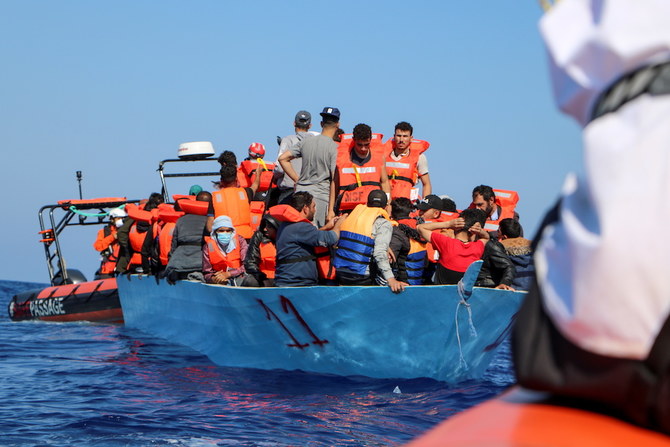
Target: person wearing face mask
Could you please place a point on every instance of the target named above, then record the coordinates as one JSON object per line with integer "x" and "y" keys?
{"x": 108, "y": 245}
{"x": 223, "y": 253}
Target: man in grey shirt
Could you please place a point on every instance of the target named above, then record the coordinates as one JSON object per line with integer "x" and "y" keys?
{"x": 319, "y": 154}
{"x": 301, "y": 124}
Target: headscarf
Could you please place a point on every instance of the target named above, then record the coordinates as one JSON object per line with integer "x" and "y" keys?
{"x": 227, "y": 222}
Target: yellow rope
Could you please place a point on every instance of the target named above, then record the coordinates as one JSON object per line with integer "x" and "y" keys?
{"x": 262, "y": 163}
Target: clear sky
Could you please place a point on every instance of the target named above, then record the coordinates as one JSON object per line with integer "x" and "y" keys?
{"x": 112, "y": 88}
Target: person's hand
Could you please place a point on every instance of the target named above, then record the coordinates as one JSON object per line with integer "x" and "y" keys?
{"x": 397, "y": 286}
{"x": 456, "y": 224}
{"x": 391, "y": 256}
{"x": 476, "y": 229}
{"x": 339, "y": 220}
{"x": 221, "y": 277}
{"x": 505, "y": 287}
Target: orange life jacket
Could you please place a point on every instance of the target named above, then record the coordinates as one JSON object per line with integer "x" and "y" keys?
{"x": 222, "y": 261}
{"x": 234, "y": 203}
{"x": 108, "y": 246}
{"x": 446, "y": 216}
{"x": 506, "y": 201}
{"x": 178, "y": 197}
{"x": 356, "y": 182}
{"x": 256, "y": 208}
{"x": 136, "y": 240}
{"x": 137, "y": 213}
{"x": 286, "y": 213}
{"x": 403, "y": 174}
{"x": 246, "y": 174}
{"x": 165, "y": 241}
{"x": 268, "y": 261}
{"x": 356, "y": 244}
{"x": 191, "y": 206}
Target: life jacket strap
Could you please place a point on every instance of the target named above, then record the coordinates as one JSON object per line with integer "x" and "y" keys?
{"x": 353, "y": 186}
{"x": 294, "y": 260}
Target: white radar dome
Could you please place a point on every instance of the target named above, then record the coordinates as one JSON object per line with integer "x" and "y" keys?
{"x": 195, "y": 149}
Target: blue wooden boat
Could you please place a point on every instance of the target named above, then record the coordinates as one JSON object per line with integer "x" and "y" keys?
{"x": 448, "y": 333}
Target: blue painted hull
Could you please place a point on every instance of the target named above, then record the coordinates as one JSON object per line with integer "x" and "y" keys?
{"x": 423, "y": 332}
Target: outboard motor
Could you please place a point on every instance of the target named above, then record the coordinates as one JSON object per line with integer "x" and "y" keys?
{"x": 74, "y": 276}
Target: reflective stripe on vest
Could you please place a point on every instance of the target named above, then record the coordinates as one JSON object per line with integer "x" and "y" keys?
{"x": 403, "y": 175}
{"x": 356, "y": 182}
{"x": 234, "y": 203}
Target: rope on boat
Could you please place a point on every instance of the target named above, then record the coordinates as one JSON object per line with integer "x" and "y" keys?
{"x": 464, "y": 295}
{"x": 81, "y": 213}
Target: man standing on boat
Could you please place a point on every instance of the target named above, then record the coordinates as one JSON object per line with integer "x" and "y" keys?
{"x": 302, "y": 123}
{"x": 406, "y": 163}
{"x": 362, "y": 253}
{"x": 359, "y": 170}
{"x": 319, "y": 156}
{"x": 297, "y": 239}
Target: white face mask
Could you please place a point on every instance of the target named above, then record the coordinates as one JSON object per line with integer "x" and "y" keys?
{"x": 118, "y": 223}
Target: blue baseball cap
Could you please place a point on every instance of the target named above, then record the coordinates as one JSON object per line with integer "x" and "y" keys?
{"x": 331, "y": 112}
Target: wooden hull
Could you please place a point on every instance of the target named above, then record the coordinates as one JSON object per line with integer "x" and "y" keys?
{"x": 423, "y": 332}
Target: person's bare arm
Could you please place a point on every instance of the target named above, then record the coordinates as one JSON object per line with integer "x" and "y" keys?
{"x": 257, "y": 179}
{"x": 481, "y": 233}
{"x": 385, "y": 184}
{"x": 285, "y": 162}
{"x": 427, "y": 187}
{"x": 427, "y": 228}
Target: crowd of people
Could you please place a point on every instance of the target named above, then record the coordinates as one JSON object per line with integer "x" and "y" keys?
{"x": 334, "y": 209}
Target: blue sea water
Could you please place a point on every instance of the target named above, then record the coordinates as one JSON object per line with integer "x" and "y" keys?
{"x": 107, "y": 385}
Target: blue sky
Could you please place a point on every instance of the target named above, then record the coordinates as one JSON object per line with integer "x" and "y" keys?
{"x": 112, "y": 88}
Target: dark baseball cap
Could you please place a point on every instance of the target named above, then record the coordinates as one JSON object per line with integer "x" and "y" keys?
{"x": 377, "y": 199}
{"x": 303, "y": 118}
{"x": 428, "y": 202}
{"x": 330, "y": 112}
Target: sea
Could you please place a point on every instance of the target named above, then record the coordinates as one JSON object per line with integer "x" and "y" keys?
{"x": 67, "y": 384}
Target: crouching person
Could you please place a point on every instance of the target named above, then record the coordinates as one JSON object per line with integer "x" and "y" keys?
{"x": 260, "y": 261}
{"x": 222, "y": 254}
{"x": 362, "y": 253}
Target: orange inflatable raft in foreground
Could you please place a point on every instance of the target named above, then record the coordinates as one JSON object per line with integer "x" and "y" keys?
{"x": 521, "y": 418}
